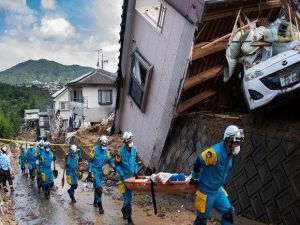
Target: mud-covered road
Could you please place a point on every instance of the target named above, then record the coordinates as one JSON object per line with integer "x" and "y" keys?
{"x": 31, "y": 208}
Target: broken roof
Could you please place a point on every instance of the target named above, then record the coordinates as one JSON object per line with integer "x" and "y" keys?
{"x": 97, "y": 76}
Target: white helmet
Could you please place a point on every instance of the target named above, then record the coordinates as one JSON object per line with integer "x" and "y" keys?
{"x": 74, "y": 148}
{"x": 42, "y": 142}
{"x": 4, "y": 149}
{"x": 127, "y": 136}
{"x": 103, "y": 140}
{"x": 233, "y": 133}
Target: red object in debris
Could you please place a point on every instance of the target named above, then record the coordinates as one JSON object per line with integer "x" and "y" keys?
{"x": 174, "y": 187}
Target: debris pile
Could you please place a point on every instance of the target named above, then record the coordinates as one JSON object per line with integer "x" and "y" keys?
{"x": 257, "y": 44}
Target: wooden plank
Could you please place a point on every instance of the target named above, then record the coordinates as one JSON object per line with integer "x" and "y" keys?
{"x": 227, "y": 35}
{"x": 201, "y": 77}
{"x": 246, "y": 9}
{"x": 201, "y": 52}
{"x": 294, "y": 14}
{"x": 183, "y": 106}
{"x": 260, "y": 43}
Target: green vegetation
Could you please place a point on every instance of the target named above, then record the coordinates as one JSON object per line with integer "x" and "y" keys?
{"x": 42, "y": 70}
{"x": 13, "y": 102}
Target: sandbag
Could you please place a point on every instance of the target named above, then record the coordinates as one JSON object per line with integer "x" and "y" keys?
{"x": 246, "y": 47}
{"x": 232, "y": 53}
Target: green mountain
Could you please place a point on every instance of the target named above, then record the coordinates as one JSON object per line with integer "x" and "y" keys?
{"x": 42, "y": 70}
{"x": 13, "y": 102}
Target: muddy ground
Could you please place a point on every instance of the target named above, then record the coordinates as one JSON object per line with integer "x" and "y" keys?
{"x": 27, "y": 206}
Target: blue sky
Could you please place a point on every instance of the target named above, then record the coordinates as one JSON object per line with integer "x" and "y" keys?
{"x": 66, "y": 31}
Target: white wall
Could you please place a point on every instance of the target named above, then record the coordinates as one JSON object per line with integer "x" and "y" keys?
{"x": 91, "y": 109}
{"x": 64, "y": 97}
{"x": 168, "y": 52}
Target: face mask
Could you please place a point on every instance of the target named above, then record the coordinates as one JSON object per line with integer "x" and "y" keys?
{"x": 236, "y": 150}
{"x": 130, "y": 144}
{"x": 103, "y": 147}
{"x": 42, "y": 147}
{"x": 47, "y": 149}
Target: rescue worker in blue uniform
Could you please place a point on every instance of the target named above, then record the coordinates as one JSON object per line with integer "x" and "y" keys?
{"x": 40, "y": 149}
{"x": 210, "y": 172}
{"x": 5, "y": 170}
{"x": 32, "y": 156}
{"x": 99, "y": 156}
{"x": 46, "y": 159}
{"x": 23, "y": 159}
{"x": 74, "y": 156}
{"x": 127, "y": 167}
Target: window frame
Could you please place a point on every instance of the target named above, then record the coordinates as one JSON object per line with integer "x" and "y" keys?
{"x": 65, "y": 102}
{"x": 79, "y": 98}
{"x": 111, "y": 96}
{"x": 136, "y": 55}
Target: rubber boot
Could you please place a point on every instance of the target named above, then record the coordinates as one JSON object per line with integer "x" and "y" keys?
{"x": 12, "y": 189}
{"x": 95, "y": 203}
{"x": 5, "y": 189}
{"x": 123, "y": 212}
{"x": 101, "y": 210}
{"x": 130, "y": 222}
{"x": 73, "y": 200}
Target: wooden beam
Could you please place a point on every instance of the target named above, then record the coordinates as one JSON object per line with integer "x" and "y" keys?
{"x": 294, "y": 14}
{"x": 246, "y": 9}
{"x": 260, "y": 43}
{"x": 228, "y": 35}
{"x": 200, "y": 52}
{"x": 201, "y": 77}
{"x": 183, "y": 106}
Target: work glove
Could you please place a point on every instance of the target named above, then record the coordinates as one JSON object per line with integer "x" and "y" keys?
{"x": 192, "y": 182}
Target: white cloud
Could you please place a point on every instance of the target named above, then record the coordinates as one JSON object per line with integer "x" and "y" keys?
{"x": 48, "y": 4}
{"x": 14, "y": 6}
{"x": 55, "y": 28}
{"x": 55, "y": 38}
{"x": 106, "y": 17}
{"x": 15, "y": 51}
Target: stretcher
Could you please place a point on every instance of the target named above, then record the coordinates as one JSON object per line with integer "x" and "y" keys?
{"x": 143, "y": 184}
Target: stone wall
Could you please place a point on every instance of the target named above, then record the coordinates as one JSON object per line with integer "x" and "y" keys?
{"x": 264, "y": 183}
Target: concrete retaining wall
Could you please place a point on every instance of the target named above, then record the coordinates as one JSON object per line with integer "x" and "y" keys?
{"x": 264, "y": 183}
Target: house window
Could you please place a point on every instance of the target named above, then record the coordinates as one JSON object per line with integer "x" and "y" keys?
{"x": 153, "y": 11}
{"x": 141, "y": 73}
{"x": 105, "y": 97}
{"x": 76, "y": 95}
{"x": 64, "y": 106}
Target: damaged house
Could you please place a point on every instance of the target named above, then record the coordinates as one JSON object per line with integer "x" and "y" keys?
{"x": 174, "y": 61}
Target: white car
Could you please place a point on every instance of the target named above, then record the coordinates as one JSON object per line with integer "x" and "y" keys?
{"x": 272, "y": 78}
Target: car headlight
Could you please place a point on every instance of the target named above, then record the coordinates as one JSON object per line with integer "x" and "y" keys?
{"x": 253, "y": 74}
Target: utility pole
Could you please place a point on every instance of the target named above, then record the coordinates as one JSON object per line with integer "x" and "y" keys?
{"x": 102, "y": 61}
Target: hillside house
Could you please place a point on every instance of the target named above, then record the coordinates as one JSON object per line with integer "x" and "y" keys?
{"x": 31, "y": 117}
{"x": 87, "y": 99}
